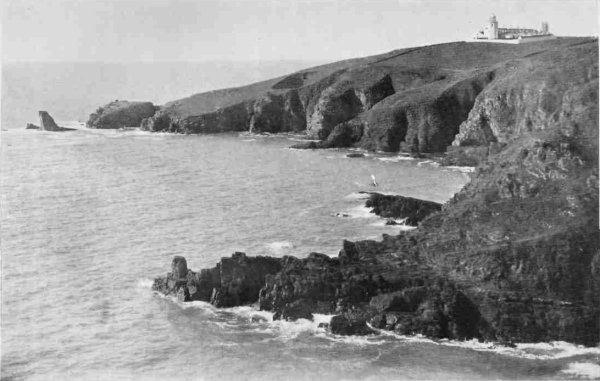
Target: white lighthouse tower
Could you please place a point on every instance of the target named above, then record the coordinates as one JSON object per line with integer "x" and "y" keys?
{"x": 492, "y": 28}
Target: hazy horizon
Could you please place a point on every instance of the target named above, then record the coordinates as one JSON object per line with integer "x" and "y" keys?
{"x": 32, "y": 86}
{"x": 249, "y": 31}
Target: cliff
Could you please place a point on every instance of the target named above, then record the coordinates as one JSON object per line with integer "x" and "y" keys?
{"x": 515, "y": 255}
{"x": 119, "y": 114}
{"x": 411, "y": 99}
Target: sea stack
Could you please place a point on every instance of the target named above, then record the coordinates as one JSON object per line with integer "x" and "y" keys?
{"x": 47, "y": 123}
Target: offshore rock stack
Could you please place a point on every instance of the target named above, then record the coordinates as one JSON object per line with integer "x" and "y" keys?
{"x": 47, "y": 123}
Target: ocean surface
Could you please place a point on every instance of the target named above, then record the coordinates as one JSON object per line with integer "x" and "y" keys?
{"x": 89, "y": 218}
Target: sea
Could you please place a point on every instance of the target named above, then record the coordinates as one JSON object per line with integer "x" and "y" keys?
{"x": 90, "y": 217}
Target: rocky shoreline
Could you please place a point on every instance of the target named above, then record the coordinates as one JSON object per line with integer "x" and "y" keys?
{"x": 513, "y": 257}
{"x": 382, "y": 285}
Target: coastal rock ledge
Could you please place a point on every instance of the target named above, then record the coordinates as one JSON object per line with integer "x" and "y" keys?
{"x": 370, "y": 286}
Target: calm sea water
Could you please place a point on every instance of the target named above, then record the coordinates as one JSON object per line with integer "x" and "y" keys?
{"x": 89, "y": 218}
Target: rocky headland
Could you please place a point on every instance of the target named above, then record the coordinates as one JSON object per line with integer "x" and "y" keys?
{"x": 513, "y": 257}
{"x": 120, "y": 114}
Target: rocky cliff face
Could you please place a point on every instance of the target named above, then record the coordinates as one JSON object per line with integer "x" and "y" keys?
{"x": 515, "y": 255}
{"x": 278, "y": 113}
{"x": 119, "y": 114}
{"x": 410, "y": 100}
{"x": 351, "y": 94}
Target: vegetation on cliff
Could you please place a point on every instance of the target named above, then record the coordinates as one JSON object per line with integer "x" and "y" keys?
{"x": 411, "y": 99}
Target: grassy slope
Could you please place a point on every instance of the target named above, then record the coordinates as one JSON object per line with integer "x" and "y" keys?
{"x": 455, "y": 58}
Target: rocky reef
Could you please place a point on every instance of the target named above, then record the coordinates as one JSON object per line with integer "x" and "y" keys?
{"x": 513, "y": 257}
{"x": 119, "y": 114}
{"x": 412, "y": 210}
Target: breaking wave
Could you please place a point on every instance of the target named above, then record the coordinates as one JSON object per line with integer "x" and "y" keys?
{"x": 532, "y": 351}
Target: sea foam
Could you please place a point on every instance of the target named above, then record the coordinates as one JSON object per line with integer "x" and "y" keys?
{"x": 460, "y": 169}
{"x": 533, "y": 351}
{"x": 279, "y": 246}
{"x": 395, "y": 159}
{"x": 587, "y": 370}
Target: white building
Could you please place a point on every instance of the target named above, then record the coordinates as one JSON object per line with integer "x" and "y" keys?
{"x": 492, "y": 33}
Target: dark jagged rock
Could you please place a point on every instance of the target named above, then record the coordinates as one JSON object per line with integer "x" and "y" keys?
{"x": 393, "y": 206}
{"x": 119, "y": 114}
{"x": 349, "y": 325}
{"x": 31, "y": 126}
{"x": 234, "y": 281}
{"x": 47, "y": 123}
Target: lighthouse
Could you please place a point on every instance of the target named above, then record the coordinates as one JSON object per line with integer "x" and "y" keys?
{"x": 492, "y": 28}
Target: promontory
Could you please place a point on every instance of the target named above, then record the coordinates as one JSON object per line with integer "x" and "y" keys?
{"x": 513, "y": 257}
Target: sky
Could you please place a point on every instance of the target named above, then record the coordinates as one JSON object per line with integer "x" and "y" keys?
{"x": 261, "y": 30}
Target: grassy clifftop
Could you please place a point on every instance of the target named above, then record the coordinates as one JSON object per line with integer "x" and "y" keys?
{"x": 410, "y": 99}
